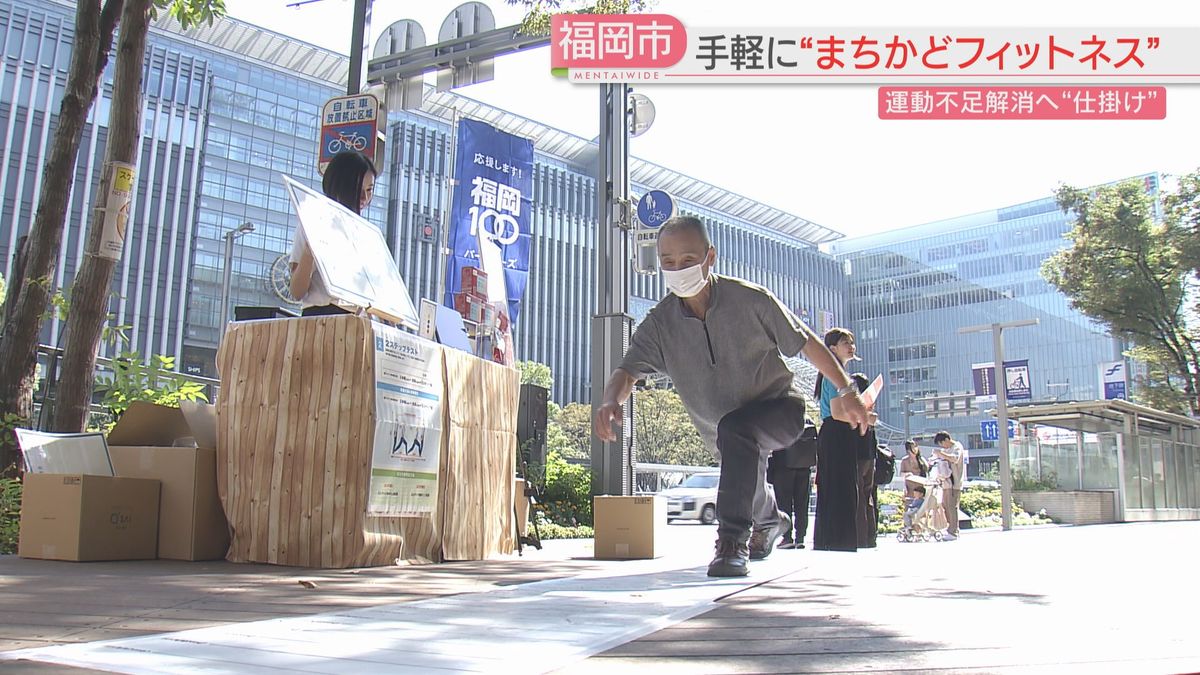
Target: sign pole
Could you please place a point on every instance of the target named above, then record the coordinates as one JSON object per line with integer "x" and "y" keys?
{"x": 360, "y": 25}
{"x": 1000, "y": 385}
{"x": 447, "y": 211}
{"x": 612, "y": 327}
{"x": 1002, "y": 429}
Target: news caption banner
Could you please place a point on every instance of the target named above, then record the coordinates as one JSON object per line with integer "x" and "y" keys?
{"x": 928, "y": 72}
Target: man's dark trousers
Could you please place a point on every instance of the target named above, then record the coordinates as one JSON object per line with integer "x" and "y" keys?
{"x": 745, "y": 438}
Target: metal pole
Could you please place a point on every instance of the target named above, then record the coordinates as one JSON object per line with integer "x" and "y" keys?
{"x": 907, "y": 415}
{"x": 1002, "y": 428}
{"x": 360, "y": 25}
{"x": 226, "y": 283}
{"x": 444, "y": 235}
{"x": 1079, "y": 455}
{"x": 612, "y": 463}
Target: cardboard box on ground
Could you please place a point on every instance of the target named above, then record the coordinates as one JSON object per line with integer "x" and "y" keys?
{"x": 629, "y": 527}
{"x": 176, "y": 446}
{"x": 82, "y": 517}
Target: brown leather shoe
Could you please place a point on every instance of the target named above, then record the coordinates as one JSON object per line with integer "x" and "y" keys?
{"x": 731, "y": 559}
{"x": 762, "y": 542}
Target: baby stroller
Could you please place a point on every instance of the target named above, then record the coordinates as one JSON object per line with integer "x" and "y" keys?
{"x": 929, "y": 521}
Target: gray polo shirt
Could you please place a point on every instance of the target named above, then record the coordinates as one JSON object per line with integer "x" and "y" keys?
{"x": 731, "y": 358}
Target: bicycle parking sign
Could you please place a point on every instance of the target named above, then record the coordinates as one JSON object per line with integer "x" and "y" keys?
{"x": 348, "y": 123}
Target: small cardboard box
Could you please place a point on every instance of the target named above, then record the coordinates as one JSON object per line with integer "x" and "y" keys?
{"x": 192, "y": 523}
{"x": 522, "y": 504}
{"x": 82, "y": 517}
{"x": 471, "y": 307}
{"x": 629, "y": 527}
{"x": 474, "y": 281}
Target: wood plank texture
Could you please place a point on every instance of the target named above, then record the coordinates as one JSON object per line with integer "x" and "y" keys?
{"x": 297, "y": 420}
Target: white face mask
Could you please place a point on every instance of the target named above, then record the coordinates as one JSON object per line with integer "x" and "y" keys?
{"x": 686, "y": 282}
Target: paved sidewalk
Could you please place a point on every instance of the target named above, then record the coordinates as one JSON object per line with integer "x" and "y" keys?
{"x": 1117, "y": 598}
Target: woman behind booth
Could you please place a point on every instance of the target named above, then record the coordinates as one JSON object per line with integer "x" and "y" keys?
{"x": 350, "y": 181}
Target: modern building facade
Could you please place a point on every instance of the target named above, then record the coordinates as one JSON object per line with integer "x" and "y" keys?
{"x": 912, "y": 289}
{"x": 230, "y": 107}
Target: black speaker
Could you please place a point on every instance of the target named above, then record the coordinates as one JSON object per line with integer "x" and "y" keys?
{"x": 531, "y": 423}
{"x": 250, "y": 313}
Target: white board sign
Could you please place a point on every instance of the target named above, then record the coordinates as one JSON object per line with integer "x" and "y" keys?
{"x": 352, "y": 256}
{"x": 85, "y": 453}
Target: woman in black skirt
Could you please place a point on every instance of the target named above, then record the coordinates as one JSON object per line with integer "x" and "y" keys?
{"x": 838, "y": 447}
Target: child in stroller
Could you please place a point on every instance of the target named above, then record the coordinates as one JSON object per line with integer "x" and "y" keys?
{"x": 924, "y": 518}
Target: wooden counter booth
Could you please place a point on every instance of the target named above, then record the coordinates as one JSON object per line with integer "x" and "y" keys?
{"x": 297, "y": 446}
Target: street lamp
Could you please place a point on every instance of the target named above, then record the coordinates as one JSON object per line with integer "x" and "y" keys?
{"x": 1001, "y": 385}
{"x": 230, "y": 236}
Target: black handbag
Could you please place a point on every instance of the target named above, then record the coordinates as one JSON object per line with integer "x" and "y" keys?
{"x": 885, "y": 465}
{"x": 803, "y": 453}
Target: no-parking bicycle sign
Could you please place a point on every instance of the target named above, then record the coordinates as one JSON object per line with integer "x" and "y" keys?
{"x": 348, "y": 123}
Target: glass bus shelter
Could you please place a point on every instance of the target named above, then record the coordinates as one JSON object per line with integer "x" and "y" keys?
{"x": 1148, "y": 458}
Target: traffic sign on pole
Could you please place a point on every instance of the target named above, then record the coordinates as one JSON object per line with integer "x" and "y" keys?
{"x": 350, "y": 123}
{"x": 990, "y": 429}
{"x": 654, "y": 208}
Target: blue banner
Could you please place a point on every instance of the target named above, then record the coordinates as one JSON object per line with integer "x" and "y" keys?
{"x": 493, "y": 198}
{"x": 1017, "y": 384}
{"x": 1016, "y": 380}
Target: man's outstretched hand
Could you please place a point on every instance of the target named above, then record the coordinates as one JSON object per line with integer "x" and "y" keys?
{"x": 606, "y": 415}
{"x": 857, "y": 414}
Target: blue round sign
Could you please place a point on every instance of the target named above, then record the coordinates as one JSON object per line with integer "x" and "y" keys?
{"x": 654, "y": 208}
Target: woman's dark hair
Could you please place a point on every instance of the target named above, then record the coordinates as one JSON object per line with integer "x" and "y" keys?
{"x": 344, "y": 178}
{"x": 832, "y": 337}
{"x": 923, "y": 466}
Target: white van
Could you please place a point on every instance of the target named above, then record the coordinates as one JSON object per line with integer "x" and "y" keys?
{"x": 694, "y": 498}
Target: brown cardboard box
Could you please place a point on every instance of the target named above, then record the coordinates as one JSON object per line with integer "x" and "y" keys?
{"x": 474, "y": 281}
{"x": 192, "y": 523}
{"x": 82, "y": 517}
{"x": 471, "y": 307}
{"x": 629, "y": 527}
{"x": 522, "y": 504}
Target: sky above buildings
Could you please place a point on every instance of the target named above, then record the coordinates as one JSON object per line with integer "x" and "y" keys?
{"x": 820, "y": 151}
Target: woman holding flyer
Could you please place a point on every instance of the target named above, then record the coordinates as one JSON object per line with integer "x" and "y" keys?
{"x": 838, "y": 448}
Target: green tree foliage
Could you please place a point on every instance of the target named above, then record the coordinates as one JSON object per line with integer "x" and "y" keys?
{"x": 1182, "y": 208}
{"x": 567, "y": 498}
{"x": 664, "y": 432}
{"x": 1152, "y": 386}
{"x": 10, "y": 514}
{"x": 156, "y": 382}
{"x": 535, "y": 373}
{"x": 1130, "y": 272}
{"x": 557, "y": 439}
{"x": 573, "y": 426}
{"x": 538, "y": 12}
{"x": 190, "y": 12}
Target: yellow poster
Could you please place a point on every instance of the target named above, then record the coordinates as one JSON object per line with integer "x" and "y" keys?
{"x": 116, "y": 210}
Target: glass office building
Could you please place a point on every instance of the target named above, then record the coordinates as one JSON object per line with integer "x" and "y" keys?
{"x": 912, "y": 289}
{"x": 231, "y": 106}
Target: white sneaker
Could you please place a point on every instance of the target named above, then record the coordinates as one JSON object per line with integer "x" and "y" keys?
{"x": 949, "y": 537}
